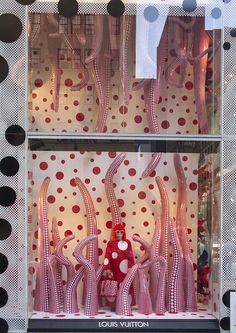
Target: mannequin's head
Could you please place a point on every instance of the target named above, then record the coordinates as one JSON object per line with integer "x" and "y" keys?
{"x": 118, "y": 232}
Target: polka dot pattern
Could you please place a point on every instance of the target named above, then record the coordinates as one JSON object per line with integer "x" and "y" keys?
{"x": 10, "y": 28}
{"x": 115, "y": 8}
{"x": 139, "y": 200}
{"x": 79, "y": 109}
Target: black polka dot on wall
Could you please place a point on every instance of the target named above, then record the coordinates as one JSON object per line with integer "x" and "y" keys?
{"x": 3, "y": 263}
{"x": 9, "y": 166}
{"x": 225, "y": 323}
{"x": 233, "y": 32}
{"x": 7, "y": 196}
{"x": 68, "y": 8}
{"x": 226, "y": 46}
{"x": 3, "y": 326}
{"x": 25, "y": 2}
{"x": 4, "y": 69}
{"x": 15, "y": 135}
{"x": 10, "y": 28}
{"x": 115, "y": 8}
{"x": 3, "y": 297}
{"x": 189, "y": 5}
{"x": 5, "y": 230}
{"x": 226, "y": 297}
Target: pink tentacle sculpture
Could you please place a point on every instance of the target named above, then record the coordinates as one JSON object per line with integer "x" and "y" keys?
{"x": 176, "y": 287}
{"x": 163, "y": 249}
{"x": 110, "y": 193}
{"x": 56, "y": 239}
{"x": 97, "y": 38}
{"x": 63, "y": 260}
{"x": 92, "y": 248}
{"x": 91, "y": 297}
{"x": 123, "y": 307}
{"x": 126, "y": 31}
{"x": 41, "y": 299}
{"x": 162, "y": 54}
{"x": 149, "y": 96}
{"x": 84, "y": 80}
{"x": 53, "y": 45}
{"x": 155, "y": 267}
{"x": 114, "y": 32}
{"x": 144, "y": 299}
{"x": 201, "y": 43}
{"x": 78, "y": 26}
{"x": 141, "y": 84}
{"x": 160, "y": 304}
{"x": 54, "y": 302}
{"x": 71, "y": 302}
{"x": 191, "y": 303}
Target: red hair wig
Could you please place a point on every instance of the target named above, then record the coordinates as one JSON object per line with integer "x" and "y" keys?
{"x": 118, "y": 227}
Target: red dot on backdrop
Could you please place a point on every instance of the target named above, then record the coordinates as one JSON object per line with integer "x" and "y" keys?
{"x": 100, "y": 251}
{"x": 193, "y": 186}
{"x": 123, "y": 109}
{"x": 165, "y": 124}
{"x": 189, "y": 85}
{"x": 132, "y": 172}
{"x": 75, "y": 209}
{"x": 112, "y": 154}
{"x": 80, "y": 116}
{"x": 109, "y": 224}
{"x": 166, "y": 178}
{"x": 146, "y": 223}
{"x": 79, "y": 227}
{"x": 59, "y": 175}
{"x": 68, "y": 83}
{"x": 96, "y": 170}
{"x": 51, "y": 199}
{"x": 43, "y": 166}
{"x": 120, "y": 202}
{"x": 142, "y": 195}
{"x": 138, "y": 119}
{"x": 72, "y": 182}
{"x": 181, "y": 121}
{"x": 61, "y": 209}
{"x": 68, "y": 233}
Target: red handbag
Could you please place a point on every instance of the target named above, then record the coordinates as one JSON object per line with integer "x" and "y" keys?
{"x": 109, "y": 288}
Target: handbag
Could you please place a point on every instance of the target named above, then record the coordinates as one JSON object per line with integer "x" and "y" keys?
{"x": 109, "y": 288}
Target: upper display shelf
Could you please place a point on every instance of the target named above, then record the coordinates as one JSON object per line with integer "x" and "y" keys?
{"x": 91, "y": 74}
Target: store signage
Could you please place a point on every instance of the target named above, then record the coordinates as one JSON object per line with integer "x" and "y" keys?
{"x": 123, "y": 324}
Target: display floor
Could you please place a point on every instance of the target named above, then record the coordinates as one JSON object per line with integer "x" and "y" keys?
{"x": 103, "y": 314}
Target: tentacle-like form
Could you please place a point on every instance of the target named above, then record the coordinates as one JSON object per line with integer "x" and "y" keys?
{"x": 91, "y": 297}
{"x": 160, "y": 304}
{"x": 78, "y": 25}
{"x": 123, "y": 307}
{"x": 111, "y": 197}
{"x": 97, "y": 38}
{"x": 63, "y": 260}
{"x": 164, "y": 242}
{"x": 84, "y": 80}
{"x": 162, "y": 54}
{"x": 191, "y": 303}
{"x": 114, "y": 30}
{"x": 54, "y": 302}
{"x": 71, "y": 302}
{"x": 164, "y": 246}
{"x": 126, "y": 30}
{"x": 56, "y": 239}
{"x": 176, "y": 287}
{"x": 141, "y": 84}
{"x": 92, "y": 248}
{"x": 53, "y": 45}
{"x": 144, "y": 299}
{"x": 149, "y": 96}
{"x": 201, "y": 43}
{"x": 152, "y": 165}
{"x": 155, "y": 268}
{"x": 41, "y": 300}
